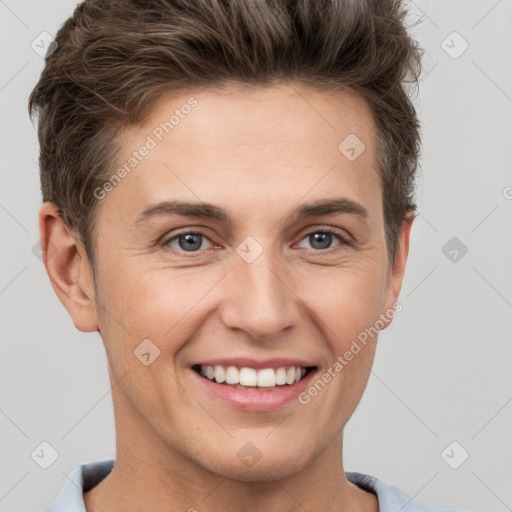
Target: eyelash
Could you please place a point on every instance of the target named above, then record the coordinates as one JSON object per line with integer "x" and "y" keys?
{"x": 343, "y": 240}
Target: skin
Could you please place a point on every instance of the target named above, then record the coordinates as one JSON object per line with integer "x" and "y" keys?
{"x": 259, "y": 155}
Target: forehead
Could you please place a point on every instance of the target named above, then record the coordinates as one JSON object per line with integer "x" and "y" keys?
{"x": 259, "y": 146}
{"x": 273, "y": 115}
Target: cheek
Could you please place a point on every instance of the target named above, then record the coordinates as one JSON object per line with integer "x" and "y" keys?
{"x": 345, "y": 300}
{"x": 346, "y": 311}
{"x": 165, "y": 304}
{"x": 155, "y": 304}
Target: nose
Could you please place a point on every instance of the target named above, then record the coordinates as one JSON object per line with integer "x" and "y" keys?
{"x": 259, "y": 299}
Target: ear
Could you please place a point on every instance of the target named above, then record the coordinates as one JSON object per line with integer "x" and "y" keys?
{"x": 68, "y": 268}
{"x": 396, "y": 271}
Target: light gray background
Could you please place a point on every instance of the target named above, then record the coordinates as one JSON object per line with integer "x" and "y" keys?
{"x": 443, "y": 369}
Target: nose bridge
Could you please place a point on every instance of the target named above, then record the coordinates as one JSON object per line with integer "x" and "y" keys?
{"x": 258, "y": 298}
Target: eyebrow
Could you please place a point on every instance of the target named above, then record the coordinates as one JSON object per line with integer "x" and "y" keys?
{"x": 202, "y": 210}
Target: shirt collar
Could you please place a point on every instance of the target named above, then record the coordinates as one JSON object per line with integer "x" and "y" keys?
{"x": 85, "y": 476}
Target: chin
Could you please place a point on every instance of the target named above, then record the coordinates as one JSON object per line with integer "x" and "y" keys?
{"x": 252, "y": 465}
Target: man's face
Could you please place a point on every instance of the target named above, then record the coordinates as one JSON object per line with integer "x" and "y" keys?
{"x": 263, "y": 288}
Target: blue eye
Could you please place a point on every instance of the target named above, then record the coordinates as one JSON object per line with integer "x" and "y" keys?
{"x": 192, "y": 241}
{"x": 323, "y": 239}
{"x": 188, "y": 242}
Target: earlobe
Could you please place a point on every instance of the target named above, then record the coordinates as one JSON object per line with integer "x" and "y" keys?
{"x": 397, "y": 270}
{"x": 68, "y": 268}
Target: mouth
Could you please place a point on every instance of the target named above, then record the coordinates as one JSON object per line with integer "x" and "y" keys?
{"x": 248, "y": 378}
{"x": 251, "y": 386}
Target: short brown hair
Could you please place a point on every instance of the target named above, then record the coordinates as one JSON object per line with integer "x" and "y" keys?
{"x": 112, "y": 60}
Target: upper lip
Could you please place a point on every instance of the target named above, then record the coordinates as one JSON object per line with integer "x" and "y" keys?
{"x": 249, "y": 362}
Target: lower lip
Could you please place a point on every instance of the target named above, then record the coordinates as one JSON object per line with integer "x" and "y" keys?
{"x": 255, "y": 400}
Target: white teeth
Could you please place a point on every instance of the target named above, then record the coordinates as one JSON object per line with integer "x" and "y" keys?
{"x": 232, "y": 375}
{"x": 250, "y": 377}
{"x": 267, "y": 378}
{"x": 281, "y": 376}
{"x": 220, "y": 374}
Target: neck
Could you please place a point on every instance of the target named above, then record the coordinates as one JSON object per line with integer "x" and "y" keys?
{"x": 149, "y": 474}
{"x": 145, "y": 481}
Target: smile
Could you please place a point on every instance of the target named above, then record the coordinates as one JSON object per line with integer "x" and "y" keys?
{"x": 252, "y": 378}
{"x": 253, "y": 386}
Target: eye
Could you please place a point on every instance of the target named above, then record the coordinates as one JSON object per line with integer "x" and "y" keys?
{"x": 190, "y": 241}
{"x": 321, "y": 239}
